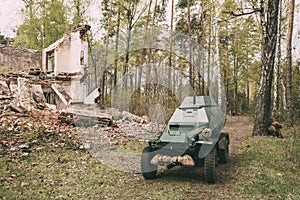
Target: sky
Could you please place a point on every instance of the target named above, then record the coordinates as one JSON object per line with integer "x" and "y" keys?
{"x": 11, "y": 17}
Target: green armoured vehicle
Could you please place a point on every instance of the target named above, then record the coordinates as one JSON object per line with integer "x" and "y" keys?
{"x": 192, "y": 137}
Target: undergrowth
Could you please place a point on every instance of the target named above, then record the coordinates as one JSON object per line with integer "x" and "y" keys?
{"x": 263, "y": 168}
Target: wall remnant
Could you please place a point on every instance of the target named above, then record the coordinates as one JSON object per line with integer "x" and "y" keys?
{"x": 67, "y": 60}
{"x": 16, "y": 59}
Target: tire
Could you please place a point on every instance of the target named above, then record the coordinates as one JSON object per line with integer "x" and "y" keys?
{"x": 148, "y": 170}
{"x": 224, "y": 153}
{"x": 210, "y": 166}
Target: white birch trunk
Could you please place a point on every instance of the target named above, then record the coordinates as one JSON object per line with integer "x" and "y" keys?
{"x": 277, "y": 64}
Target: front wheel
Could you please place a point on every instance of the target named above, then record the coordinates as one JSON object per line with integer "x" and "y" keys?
{"x": 210, "y": 166}
{"x": 148, "y": 170}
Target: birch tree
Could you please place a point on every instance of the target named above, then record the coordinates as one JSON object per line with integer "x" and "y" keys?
{"x": 263, "y": 104}
{"x": 277, "y": 66}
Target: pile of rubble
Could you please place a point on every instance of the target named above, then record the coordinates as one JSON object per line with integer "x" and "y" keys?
{"x": 28, "y": 123}
{"x": 20, "y": 134}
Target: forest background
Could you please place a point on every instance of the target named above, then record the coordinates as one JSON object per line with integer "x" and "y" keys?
{"x": 252, "y": 43}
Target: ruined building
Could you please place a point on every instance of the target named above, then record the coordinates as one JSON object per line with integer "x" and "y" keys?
{"x": 67, "y": 60}
{"x": 60, "y": 70}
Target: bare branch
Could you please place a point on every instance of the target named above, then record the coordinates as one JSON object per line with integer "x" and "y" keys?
{"x": 243, "y": 13}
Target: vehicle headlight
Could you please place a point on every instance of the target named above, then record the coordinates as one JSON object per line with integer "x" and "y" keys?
{"x": 206, "y": 133}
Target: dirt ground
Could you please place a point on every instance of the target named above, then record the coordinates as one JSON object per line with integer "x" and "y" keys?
{"x": 52, "y": 165}
{"x": 239, "y": 129}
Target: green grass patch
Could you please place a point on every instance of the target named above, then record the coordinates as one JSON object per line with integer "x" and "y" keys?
{"x": 270, "y": 167}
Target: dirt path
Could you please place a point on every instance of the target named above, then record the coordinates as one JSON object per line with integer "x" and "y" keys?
{"x": 239, "y": 129}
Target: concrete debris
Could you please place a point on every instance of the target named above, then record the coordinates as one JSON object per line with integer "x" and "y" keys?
{"x": 24, "y": 93}
{"x": 85, "y": 118}
{"x": 4, "y": 91}
{"x": 64, "y": 97}
{"x": 131, "y": 117}
{"x": 16, "y": 108}
{"x": 35, "y": 71}
{"x": 38, "y": 94}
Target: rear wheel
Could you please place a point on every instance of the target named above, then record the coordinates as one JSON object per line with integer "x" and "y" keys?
{"x": 210, "y": 166}
{"x": 148, "y": 170}
{"x": 224, "y": 153}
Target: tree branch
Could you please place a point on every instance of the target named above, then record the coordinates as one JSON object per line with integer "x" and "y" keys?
{"x": 243, "y": 13}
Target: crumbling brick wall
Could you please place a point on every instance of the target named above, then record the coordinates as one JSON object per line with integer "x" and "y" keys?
{"x": 15, "y": 59}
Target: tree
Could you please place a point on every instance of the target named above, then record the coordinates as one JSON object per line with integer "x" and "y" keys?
{"x": 117, "y": 44}
{"x": 171, "y": 41}
{"x": 45, "y": 22}
{"x": 263, "y": 104}
{"x": 79, "y": 10}
{"x": 103, "y": 71}
{"x": 277, "y": 66}
{"x": 28, "y": 32}
{"x": 289, "y": 70}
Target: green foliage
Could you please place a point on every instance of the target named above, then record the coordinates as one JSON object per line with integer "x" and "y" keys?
{"x": 78, "y": 11}
{"x": 44, "y": 22}
{"x": 199, "y": 20}
{"x": 239, "y": 47}
{"x": 5, "y": 40}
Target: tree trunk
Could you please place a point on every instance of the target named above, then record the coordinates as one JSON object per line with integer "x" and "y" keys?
{"x": 289, "y": 70}
{"x": 171, "y": 49}
{"x": 298, "y": 70}
{"x": 190, "y": 45}
{"x": 209, "y": 51}
{"x": 282, "y": 81}
{"x": 106, "y": 54}
{"x": 219, "y": 74}
{"x": 148, "y": 66}
{"x": 126, "y": 64}
{"x": 263, "y": 104}
{"x": 235, "y": 81}
{"x": 117, "y": 47}
{"x": 201, "y": 74}
{"x": 277, "y": 65}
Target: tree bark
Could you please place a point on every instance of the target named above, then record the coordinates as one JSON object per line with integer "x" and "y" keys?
{"x": 117, "y": 46}
{"x": 171, "y": 49}
{"x": 289, "y": 70}
{"x": 263, "y": 104}
{"x": 149, "y": 52}
{"x": 190, "y": 45}
{"x": 277, "y": 65}
{"x": 209, "y": 52}
{"x": 106, "y": 54}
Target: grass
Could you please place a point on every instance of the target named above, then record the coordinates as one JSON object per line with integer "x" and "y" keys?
{"x": 263, "y": 168}
{"x": 270, "y": 168}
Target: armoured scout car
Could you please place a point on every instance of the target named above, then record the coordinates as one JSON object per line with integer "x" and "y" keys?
{"x": 192, "y": 137}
